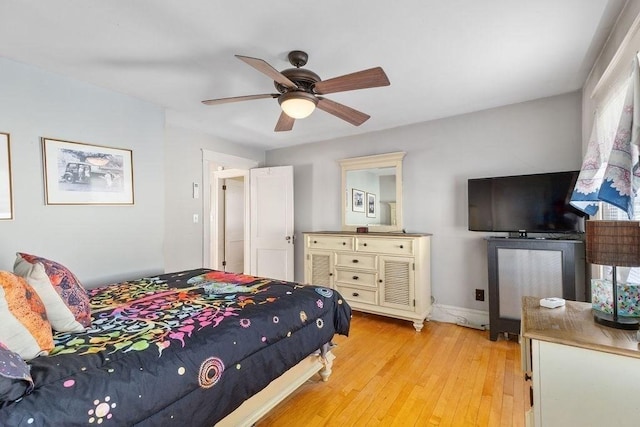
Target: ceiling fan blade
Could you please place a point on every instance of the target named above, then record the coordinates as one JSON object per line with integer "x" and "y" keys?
{"x": 373, "y": 77}
{"x": 267, "y": 69}
{"x": 348, "y": 114}
{"x": 239, "y": 98}
{"x": 285, "y": 123}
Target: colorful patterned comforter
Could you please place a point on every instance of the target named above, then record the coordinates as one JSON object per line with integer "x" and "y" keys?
{"x": 179, "y": 349}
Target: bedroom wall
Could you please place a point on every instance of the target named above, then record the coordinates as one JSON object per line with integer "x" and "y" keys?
{"x": 99, "y": 244}
{"x": 532, "y": 137}
{"x": 183, "y": 167}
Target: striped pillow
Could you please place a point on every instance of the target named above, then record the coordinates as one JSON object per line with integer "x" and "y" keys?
{"x": 24, "y": 327}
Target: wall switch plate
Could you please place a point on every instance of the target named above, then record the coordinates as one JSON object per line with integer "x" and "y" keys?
{"x": 196, "y": 191}
{"x": 479, "y": 294}
{"x": 196, "y": 218}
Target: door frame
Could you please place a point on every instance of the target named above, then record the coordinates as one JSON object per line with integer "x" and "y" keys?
{"x": 211, "y": 160}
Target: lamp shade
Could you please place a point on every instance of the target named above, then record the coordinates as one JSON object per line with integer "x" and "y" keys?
{"x": 297, "y": 104}
{"x": 613, "y": 243}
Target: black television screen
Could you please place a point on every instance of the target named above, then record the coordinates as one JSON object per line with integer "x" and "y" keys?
{"x": 537, "y": 203}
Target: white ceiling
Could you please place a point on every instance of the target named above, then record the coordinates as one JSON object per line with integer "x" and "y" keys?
{"x": 443, "y": 58}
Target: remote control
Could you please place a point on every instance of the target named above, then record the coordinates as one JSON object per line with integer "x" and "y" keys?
{"x": 551, "y": 302}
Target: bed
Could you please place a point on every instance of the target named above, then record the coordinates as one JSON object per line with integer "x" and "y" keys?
{"x": 185, "y": 348}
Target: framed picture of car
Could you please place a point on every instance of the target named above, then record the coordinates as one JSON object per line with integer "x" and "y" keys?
{"x": 84, "y": 174}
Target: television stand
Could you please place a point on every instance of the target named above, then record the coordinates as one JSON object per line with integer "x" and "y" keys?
{"x": 541, "y": 268}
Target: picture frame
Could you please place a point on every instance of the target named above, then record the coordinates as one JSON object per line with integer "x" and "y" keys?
{"x": 85, "y": 174}
{"x": 6, "y": 195}
{"x": 371, "y": 205}
{"x": 357, "y": 200}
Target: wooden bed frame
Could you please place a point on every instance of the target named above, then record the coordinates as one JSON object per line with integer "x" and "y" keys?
{"x": 279, "y": 389}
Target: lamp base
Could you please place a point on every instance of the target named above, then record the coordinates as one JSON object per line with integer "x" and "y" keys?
{"x": 625, "y": 323}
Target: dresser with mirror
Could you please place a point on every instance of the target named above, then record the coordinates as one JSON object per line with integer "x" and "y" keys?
{"x": 372, "y": 262}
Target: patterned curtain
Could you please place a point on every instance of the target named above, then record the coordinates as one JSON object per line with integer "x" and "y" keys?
{"x": 611, "y": 168}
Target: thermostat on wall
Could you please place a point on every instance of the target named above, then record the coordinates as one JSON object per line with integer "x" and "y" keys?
{"x": 551, "y": 302}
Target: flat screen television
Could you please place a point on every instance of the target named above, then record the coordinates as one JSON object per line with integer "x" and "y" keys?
{"x": 537, "y": 203}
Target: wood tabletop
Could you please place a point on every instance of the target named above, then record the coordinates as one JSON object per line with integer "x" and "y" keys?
{"x": 573, "y": 325}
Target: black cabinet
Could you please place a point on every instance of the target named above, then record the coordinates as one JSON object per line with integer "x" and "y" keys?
{"x": 531, "y": 267}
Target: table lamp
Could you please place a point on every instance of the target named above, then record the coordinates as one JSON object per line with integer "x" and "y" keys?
{"x": 614, "y": 243}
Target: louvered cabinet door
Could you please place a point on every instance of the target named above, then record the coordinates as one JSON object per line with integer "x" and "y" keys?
{"x": 320, "y": 265}
{"x": 397, "y": 282}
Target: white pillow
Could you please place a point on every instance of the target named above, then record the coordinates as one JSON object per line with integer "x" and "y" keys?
{"x": 65, "y": 300}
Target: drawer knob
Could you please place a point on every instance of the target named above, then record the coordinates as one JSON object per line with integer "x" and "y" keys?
{"x": 379, "y": 280}
{"x": 364, "y": 244}
{"x": 330, "y": 274}
{"x": 355, "y": 277}
{"x": 355, "y": 294}
{"x": 355, "y": 261}
{"x": 344, "y": 243}
{"x": 401, "y": 246}
{"x": 315, "y": 241}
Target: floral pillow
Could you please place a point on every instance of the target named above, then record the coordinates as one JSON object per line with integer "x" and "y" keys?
{"x": 24, "y": 327}
{"x": 15, "y": 376}
{"x": 64, "y": 298}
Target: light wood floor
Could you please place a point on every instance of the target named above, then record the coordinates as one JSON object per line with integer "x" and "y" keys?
{"x": 386, "y": 374}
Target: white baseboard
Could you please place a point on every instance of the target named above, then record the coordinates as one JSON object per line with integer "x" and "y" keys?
{"x": 452, "y": 314}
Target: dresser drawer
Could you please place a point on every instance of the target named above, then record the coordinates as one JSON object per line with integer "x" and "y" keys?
{"x": 356, "y": 260}
{"x": 316, "y": 241}
{"x": 386, "y": 246}
{"x": 359, "y": 295}
{"x": 355, "y": 277}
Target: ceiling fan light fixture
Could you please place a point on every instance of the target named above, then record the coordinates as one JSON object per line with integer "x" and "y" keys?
{"x": 297, "y": 104}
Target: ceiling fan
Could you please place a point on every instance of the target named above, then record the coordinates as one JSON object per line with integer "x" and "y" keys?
{"x": 299, "y": 90}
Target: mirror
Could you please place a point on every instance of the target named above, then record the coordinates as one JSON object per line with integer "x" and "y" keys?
{"x": 372, "y": 192}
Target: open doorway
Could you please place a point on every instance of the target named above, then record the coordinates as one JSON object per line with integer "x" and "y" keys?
{"x": 217, "y": 167}
{"x": 253, "y": 224}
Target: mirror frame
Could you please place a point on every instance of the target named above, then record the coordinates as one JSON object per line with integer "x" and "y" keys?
{"x": 368, "y": 162}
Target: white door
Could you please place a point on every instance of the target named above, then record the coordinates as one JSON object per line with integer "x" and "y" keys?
{"x": 234, "y": 225}
{"x": 230, "y": 220}
{"x": 272, "y": 222}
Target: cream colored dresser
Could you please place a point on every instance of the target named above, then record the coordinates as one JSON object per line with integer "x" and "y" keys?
{"x": 381, "y": 273}
{"x": 581, "y": 373}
